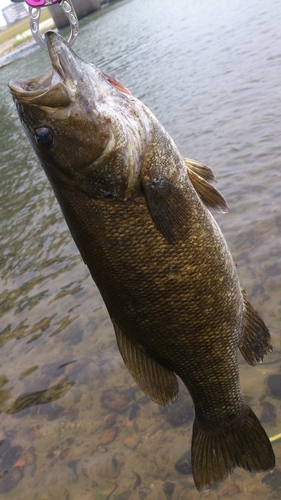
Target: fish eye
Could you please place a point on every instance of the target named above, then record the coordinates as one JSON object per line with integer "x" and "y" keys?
{"x": 44, "y": 137}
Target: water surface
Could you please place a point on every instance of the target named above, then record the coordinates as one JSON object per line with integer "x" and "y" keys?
{"x": 72, "y": 418}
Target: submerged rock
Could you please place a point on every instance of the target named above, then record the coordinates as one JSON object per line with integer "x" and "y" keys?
{"x": 142, "y": 494}
{"x": 30, "y": 457}
{"x": 132, "y": 442}
{"x": 138, "y": 480}
{"x": 268, "y": 413}
{"x": 71, "y": 415}
{"x": 274, "y": 385}
{"x": 180, "y": 412}
{"x": 5, "y": 444}
{"x": 11, "y": 479}
{"x": 273, "y": 480}
{"x": 115, "y": 400}
{"x": 109, "y": 421}
{"x": 134, "y": 411}
{"x": 230, "y": 491}
{"x": 11, "y": 456}
{"x": 55, "y": 413}
{"x": 183, "y": 465}
{"x": 108, "y": 436}
{"x": 168, "y": 489}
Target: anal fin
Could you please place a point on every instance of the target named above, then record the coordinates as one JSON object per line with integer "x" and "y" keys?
{"x": 255, "y": 343}
{"x": 156, "y": 381}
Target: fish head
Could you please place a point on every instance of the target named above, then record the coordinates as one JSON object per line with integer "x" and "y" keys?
{"x": 83, "y": 125}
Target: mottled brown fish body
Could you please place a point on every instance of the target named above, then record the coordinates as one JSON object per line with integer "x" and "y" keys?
{"x": 151, "y": 286}
{"x": 137, "y": 212}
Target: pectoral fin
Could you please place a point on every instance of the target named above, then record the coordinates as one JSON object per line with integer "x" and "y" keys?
{"x": 168, "y": 208}
{"x": 256, "y": 340}
{"x": 199, "y": 175}
{"x": 158, "y": 383}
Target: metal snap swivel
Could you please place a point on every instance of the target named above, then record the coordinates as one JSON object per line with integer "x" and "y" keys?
{"x": 34, "y": 18}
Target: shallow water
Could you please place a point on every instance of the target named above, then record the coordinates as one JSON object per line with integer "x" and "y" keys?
{"x": 73, "y": 420}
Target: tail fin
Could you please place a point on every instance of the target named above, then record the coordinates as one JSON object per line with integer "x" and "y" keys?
{"x": 241, "y": 443}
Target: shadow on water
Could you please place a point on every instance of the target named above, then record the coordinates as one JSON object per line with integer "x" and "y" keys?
{"x": 73, "y": 423}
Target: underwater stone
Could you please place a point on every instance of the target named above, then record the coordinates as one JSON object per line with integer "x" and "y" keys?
{"x": 55, "y": 413}
{"x": 132, "y": 442}
{"x": 30, "y": 457}
{"x": 109, "y": 421}
{"x": 114, "y": 400}
{"x": 168, "y": 489}
{"x": 11, "y": 479}
{"x": 108, "y": 436}
{"x": 66, "y": 453}
{"x": 230, "y": 490}
{"x": 142, "y": 495}
{"x": 183, "y": 465}
{"x": 134, "y": 412}
{"x": 71, "y": 415}
{"x": 273, "y": 480}
{"x": 11, "y": 456}
{"x": 273, "y": 270}
{"x": 180, "y": 413}
{"x": 4, "y": 446}
{"x": 268, "y": 413}
{"x": 274, "y": 384}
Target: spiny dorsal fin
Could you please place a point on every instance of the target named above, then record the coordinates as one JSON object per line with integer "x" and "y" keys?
{"x": 200, "y": 169}
{"x": 116, "y": 83}
{"x": 199, "y": 176}
{"x": 158, "y": 383}
{"x": 255, "y": 343}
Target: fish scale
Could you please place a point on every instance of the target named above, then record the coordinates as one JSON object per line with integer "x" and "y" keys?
{"x": 147, "y": 294}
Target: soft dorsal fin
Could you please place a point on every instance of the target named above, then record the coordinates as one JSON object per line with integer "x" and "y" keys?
{"x": 255, "y": 343}
{"x": 211, "y": 197}
{"x": 200, "y": 169}
{"x": 158, "y": 383}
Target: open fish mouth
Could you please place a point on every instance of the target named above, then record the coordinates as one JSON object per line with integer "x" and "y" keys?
{"x": 58, "y": 87}
{"x": 52, "y": 89}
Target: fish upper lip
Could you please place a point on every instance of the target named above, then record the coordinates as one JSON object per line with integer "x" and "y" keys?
{"x": 55, "y": 51}
{"x": 32, "y": 90}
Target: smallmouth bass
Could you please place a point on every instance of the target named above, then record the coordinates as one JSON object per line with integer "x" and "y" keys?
{"x": 139, "y": 214}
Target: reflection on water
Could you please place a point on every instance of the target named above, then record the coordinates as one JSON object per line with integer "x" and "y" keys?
{"x": 73, "y": 423}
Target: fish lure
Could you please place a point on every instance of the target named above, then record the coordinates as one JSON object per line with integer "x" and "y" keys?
{"x": 34, "y": 7}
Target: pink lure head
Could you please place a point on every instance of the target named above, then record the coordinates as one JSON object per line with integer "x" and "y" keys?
{"x": 41, "y": 3}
